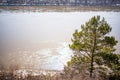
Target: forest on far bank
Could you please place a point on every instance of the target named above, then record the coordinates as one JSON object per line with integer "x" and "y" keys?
{"x": 61, "y": 2}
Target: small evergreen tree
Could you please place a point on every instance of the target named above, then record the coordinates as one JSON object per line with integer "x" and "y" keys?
{"x": 93, "y": 45}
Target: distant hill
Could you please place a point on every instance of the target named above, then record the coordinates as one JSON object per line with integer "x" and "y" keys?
{"x": 62, "y": 2}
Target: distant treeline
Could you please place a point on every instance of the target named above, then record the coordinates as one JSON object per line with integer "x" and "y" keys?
{"x": 62, "y": 2}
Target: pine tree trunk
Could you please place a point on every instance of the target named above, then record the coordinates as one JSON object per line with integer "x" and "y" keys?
{"x": 92, "y": 55}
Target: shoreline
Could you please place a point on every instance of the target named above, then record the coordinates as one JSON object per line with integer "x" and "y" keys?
{"x": 59, "y": 8}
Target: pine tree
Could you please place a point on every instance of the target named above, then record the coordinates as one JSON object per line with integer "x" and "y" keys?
{"x": 92, "y": 41}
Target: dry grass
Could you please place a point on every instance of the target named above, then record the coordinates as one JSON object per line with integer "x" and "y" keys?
{"x": 4, "y": 75}
{"x": 66, "y": 75}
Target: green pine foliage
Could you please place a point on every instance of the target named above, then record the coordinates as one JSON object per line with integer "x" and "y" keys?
{"x": 94, "y": 47}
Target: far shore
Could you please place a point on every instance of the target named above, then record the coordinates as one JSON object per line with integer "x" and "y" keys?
{"x": 60, "y": 8}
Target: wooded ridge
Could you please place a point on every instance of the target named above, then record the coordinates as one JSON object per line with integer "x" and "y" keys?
{"x": 62, "y": 2}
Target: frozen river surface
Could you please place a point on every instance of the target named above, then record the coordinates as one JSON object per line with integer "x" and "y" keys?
{"x": 39, "y": 40}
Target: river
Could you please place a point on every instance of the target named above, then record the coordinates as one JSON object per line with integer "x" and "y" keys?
{"x": 39, "y": 40}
